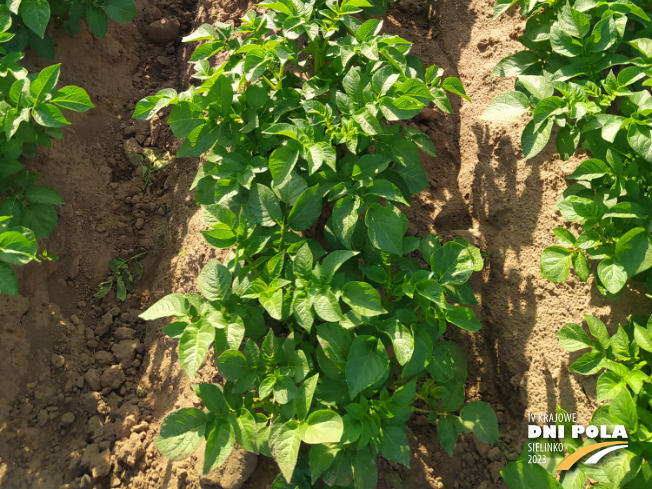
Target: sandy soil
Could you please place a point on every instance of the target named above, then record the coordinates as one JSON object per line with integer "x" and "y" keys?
{"x": 120, "y": 376}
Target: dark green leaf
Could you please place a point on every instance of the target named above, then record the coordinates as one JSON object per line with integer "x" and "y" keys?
{"x": 366, "y": 365}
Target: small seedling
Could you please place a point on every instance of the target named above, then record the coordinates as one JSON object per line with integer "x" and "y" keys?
{"x": 122, "y": 276}
{"x": 150, "y": 161}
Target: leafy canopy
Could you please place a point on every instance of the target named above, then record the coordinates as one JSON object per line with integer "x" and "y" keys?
{"x": 326, "y": 320}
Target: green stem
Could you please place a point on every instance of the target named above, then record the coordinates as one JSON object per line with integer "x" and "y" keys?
{"x": 271, "y": 85}
{"x": 279, "y": 77}
{"x": 419, "y": 410}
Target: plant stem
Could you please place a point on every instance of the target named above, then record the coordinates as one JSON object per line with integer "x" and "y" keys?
{"x": 271, "y": 85}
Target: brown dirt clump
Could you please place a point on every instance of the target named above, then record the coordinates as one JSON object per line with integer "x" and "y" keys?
{"x": 85, "y": 384}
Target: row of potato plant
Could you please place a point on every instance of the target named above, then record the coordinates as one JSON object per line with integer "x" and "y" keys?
{"x": 327, "y": 322}
{"x": 30, "y": 115}
{"x": 28, "y": 20}
{"x": 586, "y": 69}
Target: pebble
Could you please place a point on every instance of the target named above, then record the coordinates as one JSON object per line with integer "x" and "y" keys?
{"x": 494, "y": 454}
{"x": 86, "y": 482}
{"x": 127, "y": 426}
{"x": 104, "y": 325}
{"x": 98, "y": 462}
{"x": 132, "y": 147}
{"x": 139, "y": 428}
{"x": 152, "y": 14}
{"x": 123, "y": 333}
{"x": 494, "y": 470}
{"x": 58, "y": 361}
{"x": 43, "y": 417}
{"x": 66, "y": 420}
{"x": 73, "y": 270}
{"x": 104, "y": 358}
{"x": 94, "y": 424}
{"x": 92, "y": 378}
{"x": 125, "y": 352}
{"x": 163, "y": 60}
{"x": 481, "y": 447}
{"x": 113, "y": 377}
{"x": 162, "y": 31}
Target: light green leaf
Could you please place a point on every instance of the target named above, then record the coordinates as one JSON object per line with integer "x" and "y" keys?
{"x": 506, "y": 106}
{"x": 323, "y": 426}
{"x": 170, "y": 305}
{"x": 363, "y": 299}
{"x": 572, "y": 337}
{"x": 481, "y": 418}
{"x": 634, "y": 252}
{"x": 612, "y": 275}
{"x": 285, "y": 441}
{"x": 555, "y": 263}
{"x": 181, "y": 433}
{"x": 214, "y": 281}
{"x": 534, "y": 139}
{"x": 219, "y": 445}
{"x": 194, "y": 344}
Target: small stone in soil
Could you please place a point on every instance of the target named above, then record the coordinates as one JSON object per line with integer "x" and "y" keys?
{"x": 58, "y": 361}
{"x": 163, "y": 60}
{"x": 104, "y": 324}
{"x": 124, "y": 333}
{"x": 113, "y": 377}
{"x": 132, "y": 147}
{"x": 494, "y": 454}
{"x": 92, "y": 378}
{"x": 163, "y": 30}
{"x": 66, "y": 420}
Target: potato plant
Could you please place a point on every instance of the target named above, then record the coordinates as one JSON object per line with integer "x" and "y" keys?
{"x": 28, "y": 20}
{"x": 326, "y": 321}
{"x": 625, "y": 392}
{"x": 30, "y": 115}
{"x": 586, "y": 69}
